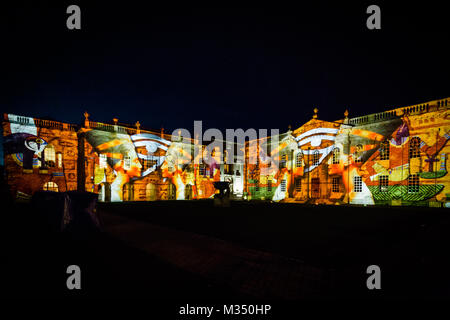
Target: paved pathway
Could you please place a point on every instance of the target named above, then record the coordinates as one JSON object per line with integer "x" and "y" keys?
{"x": 252, "y": 272}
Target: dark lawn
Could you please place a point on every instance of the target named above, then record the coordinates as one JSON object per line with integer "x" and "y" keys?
{"x": 330, "y": 235}
{"x": 409, "y": 244}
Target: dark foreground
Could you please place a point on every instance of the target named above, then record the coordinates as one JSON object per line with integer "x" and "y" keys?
{"x": 259, "y": 251}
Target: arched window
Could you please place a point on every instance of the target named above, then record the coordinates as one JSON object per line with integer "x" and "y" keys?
{"x": 50, "y": 186}
{"x": 49, "y": 156}
{"x": 384, "y": 150}
{"x": 316, "y": 158}
{"x": 298, "y": 162}
{"x": 414, "y": 148}
{"x": 336, "y": 155}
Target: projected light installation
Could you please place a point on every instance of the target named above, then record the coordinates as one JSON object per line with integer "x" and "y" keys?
{"x": 397, "y": 157}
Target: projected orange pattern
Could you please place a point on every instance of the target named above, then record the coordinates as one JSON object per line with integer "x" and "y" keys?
{"x": 397, "y": 157}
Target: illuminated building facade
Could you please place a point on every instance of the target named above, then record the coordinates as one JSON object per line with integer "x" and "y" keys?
{"x": 396, "y": 157}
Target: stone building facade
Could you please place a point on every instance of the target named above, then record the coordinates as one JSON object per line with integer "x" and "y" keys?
{"x": 396, "y": 157}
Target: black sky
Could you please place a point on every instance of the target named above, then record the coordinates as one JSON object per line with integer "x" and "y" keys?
{"x": 232, "y": 67}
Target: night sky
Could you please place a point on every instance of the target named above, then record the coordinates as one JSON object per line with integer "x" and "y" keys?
{"x": 232, "y": 67}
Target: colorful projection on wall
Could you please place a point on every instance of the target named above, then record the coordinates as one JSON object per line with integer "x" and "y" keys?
{"x": 23, "y": 143}
{"x": 371, "y": 163}
{"x": 134, "y": 157}
{"x": 394, "y": 158}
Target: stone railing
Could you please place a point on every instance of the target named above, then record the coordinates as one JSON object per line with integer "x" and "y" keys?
{"x": 408, "y": 110}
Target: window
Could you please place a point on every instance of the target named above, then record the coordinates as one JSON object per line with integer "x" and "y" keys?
{"x": 357, "y": 182}
{"x": 228, "y": 169}
{"x": 335, "y": 184}
{"x": 269, "y": 185}
{"x": 147, "y": 163}
{"x": 413, "y": 183}
{"x": 103, "y": 160}
{"x": 257, "y": 185}
{"x": 50, "y": 186}
{"x": 283, "y": 185}
{"x": 384, "y": 150}
{"x": 336, "y": 155}
{"x": 49, "y": 156}
{"x": 202, "y": 170}
{"x": 299, "y": 159}
{"x": 127, "y": 162}
{"x": 283, "y": 161}
{"x": 316, "y": 157}
{"x": 59, "y": 158}
{"x": 414, "y": 148}
{"x": 358, "y": 153}
{"x": 298, "y": 185}
{"x": 384, "y": 183}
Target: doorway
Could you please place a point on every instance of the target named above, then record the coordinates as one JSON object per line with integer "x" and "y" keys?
{"x": 315, "y": 188}
{"x": 188, "y": 192}
{"x": 150, "y": 192}
{"x": 104, "y": 193}
{"x": 128, "y": 192}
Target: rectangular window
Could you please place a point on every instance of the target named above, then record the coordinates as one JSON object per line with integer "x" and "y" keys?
{"x": 358, "y": 154}
{"x": 283, "y": 185}
{"x": 298, "y": 185}
{"x": 336, "y": 183}
{"x": 147, "y": 163}
{"x": 414, "y": 147}
{"x": 384, "y": 151}
{"x": 103, "y": 160}
{"x": 298, "y": 162}
{"x": 228, "y": 169}
{"x": 413, "y": 183}
{"x": 257, "y": 185}
{"x": 269, "y": 185}
{"x": 283, "y": 161}
{"x": 202, "y": 170}
{"x": 49, "y": 155}
{"x": 127, "y": 162}
{"x": 384, "y": 183}
{"x": 59, "y": 160}
{"x": 316, "y": 158}
{"x": 357, "y": 182}
{"x": 336, "y": 155}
